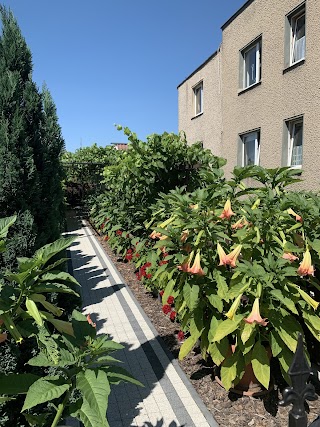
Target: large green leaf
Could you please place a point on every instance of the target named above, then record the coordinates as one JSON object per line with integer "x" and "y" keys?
{"x": 95, "y": 389}
{"x": 16, "y": 383}
{"x": 89, "y": 417}
{"x": 261, "y": 364}
{"x": 48, "y": 251}
{"x": 117, "y": 374}
{"x": 227, "y": 327}
{"x": 187, "y": 346}
{"x": 229, "y": 370}
{"x": 219, "y": 350}
{"x": 53, "y": 287}
{"x": 216, "y": 302}
{"x": 191, "y": 295}
{"x": 44, "y": 390}
{"x": 5, "y": 223}
{"x": 56, "y": 275}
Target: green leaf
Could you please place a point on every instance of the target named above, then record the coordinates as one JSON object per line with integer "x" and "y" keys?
{"x": 168, "y": 291}
{"x": 53, "y": 287}
{"x": 187, "y": 346}
{"x": 261, "y": 364}
{"x": 48, "y": 251}
{"x": 34, "y": 312}
{"x": 246, "y": 332}
{"x": 116, "y": 374}
{"x": 229, "y": 370}
{"x": 219, "y": 350}
{"x": 44, "y": 390}
{"x": 287, "y": 328}
{"x": 5, "y": 224}
{"x": 56, "y": 275}
{"x": 216, "y": 302}
{"x": 227, "y": 327}
{"x": 191, "y": 295}
{"x": 279, "y": 295}
{"x": 95, "y": 389}
{"x": 276, "y": 344}
{"x": 81, "y": 327}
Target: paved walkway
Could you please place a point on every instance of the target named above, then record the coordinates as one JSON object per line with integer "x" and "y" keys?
{"x": 168, "y": 398}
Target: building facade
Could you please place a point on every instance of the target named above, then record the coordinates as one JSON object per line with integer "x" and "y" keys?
{"x": 257, "y": 99}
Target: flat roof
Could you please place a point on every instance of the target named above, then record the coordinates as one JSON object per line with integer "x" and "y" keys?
{"x": 238, "y": 12}
{"x": 199, "y": 68}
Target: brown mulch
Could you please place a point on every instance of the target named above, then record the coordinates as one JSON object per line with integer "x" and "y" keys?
{"x": 229, "y": 409}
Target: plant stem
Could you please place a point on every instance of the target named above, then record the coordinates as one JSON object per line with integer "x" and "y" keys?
{"x": 61, "y": 407}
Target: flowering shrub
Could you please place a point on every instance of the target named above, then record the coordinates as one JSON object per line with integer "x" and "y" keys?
{"x": 242, "y": 269}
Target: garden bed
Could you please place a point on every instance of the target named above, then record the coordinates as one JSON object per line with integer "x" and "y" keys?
{"x": 228, "y": 408}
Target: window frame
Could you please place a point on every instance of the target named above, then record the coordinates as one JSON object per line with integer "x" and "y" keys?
{"x": 198, "y": 86}
{"x": 291, "y": 126}
{"x": 293, "y": 24}
{"x": 291, "y": 20}
{"x": 242, "y": 142}
{"x": 243, "y": 80}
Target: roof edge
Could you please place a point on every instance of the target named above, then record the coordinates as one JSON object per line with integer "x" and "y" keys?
{"x": 235, "y": 15}
{"x": 199, "y": 68}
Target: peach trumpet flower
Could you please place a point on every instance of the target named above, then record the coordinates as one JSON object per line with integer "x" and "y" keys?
{"x": 89, "y": 320}
{"x": 292, "y": 212}
{"x": 227, "y": 211}
{"x": 239, "y": 224}
{"x": 255, "y": 316}
{"x": 230, "y": 259}
{"x": 306, "y": 267}
{"x": 185, "y": 266}
{"x": 196, "y": 268}
{"x": 184, "y": 235}
{"x": 155, "y": 234}
{"x": 289, "y": 256}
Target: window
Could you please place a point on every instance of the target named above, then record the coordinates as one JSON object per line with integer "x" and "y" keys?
{"x": 249, "y": 149}
{"x": 198, "y": 98}
{"x": 295, "y": 37}
{"x": 250, "y": 65}
{"x": 298, "y": 37}
{"x": 295, "y": 142}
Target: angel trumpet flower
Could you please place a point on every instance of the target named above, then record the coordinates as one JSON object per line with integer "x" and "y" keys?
{"x": 289, "y": 256}
{"x": 254, "y": 316}
{"x": 184, "y": 235}
{"x": 196, "y": 268}
{"x": 227, "y": 211}
{"x": 185, "y": 266}
{"x": 230, "y": 259}
{"x": 234, "y": 307}
{"x": 292, "y": 212}
{"x": 155, "y": 234}
{"x": 239, "y": 224}
{"x": 306, "y": 266}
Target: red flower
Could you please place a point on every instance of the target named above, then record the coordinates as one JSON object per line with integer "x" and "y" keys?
{"x": 161, "y": 293}
{"x": 173, "y": 315}
{"x": 129, "y": 251}
{"x": 165, "y": 254}
{"x": 148, "y": 276}
{"x": 137, "y": 255}
{"x": 163, "y": 262}
{"x": 128, "y": 257}
{"x": 147, "y": 265}
{"x": 106, "y": 238}
{"x": 119, "y": 233}
{"x": 166, "y": 309}
{"x": 170, "y": 299}
{"x": 180, "y": 336}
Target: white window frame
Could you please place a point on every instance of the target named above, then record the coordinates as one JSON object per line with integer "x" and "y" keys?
{"x": 245, "y": 74}
{"x": 198, "y": 91}
{"x": 291, "y": 132}
{"x": 256, "y": 135}
{"x": 293, "y": 24}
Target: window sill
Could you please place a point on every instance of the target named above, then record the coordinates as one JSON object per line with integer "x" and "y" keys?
{"x": 198, "y": 115}
{"x": 295, "y": 167}
{"x": 293, "y": 66}
{"x": 241, "y": 91}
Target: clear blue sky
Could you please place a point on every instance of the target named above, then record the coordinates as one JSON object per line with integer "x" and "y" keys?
{"x": 118, "y": 61}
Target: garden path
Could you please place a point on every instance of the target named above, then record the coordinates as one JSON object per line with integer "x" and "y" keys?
{"x": 167, "y": 399}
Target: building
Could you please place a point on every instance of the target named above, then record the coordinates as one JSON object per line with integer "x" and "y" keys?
{"x": 256, "y": 100}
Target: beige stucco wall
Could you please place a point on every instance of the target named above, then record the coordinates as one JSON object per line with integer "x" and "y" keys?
{"x": 281, "y": 95}
{"x": 207, "y": 126}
